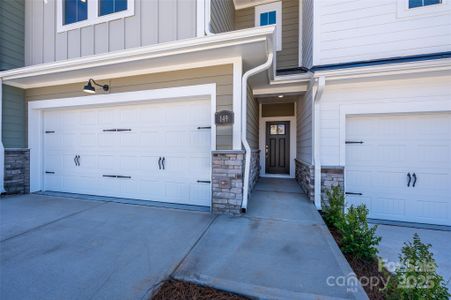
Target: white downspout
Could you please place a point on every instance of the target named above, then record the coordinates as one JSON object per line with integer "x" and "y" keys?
{"x": 316, "y": 140}
{"x": 208, "y": 17}
{"x": 247, "y": 166}
{"x": 2, "y": 149}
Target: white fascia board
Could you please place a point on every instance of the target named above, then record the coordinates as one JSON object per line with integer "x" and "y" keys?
{"x": 435, "y": 65}
{"x": 217, "y": 41}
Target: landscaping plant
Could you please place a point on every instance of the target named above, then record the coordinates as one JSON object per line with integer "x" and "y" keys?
{"x": 334, "y": 212}
{"x": 357, "y": 237}
{"x": 416, "y": 278}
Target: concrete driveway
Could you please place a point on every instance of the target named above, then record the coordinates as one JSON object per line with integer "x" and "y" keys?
{"x": 67, "y": 248}
{"x": 63, "y": 248}
{"x": 394, "y": 237}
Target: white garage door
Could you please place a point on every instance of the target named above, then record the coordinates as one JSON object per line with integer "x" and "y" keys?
{"x": 151, "y": 152}
{"x": 402, "y": 168}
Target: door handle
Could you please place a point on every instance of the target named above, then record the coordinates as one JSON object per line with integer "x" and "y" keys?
{"x": 162, "y": 162}
{"x": 159, "y": 163}
{"x": 414, "y": 179}
{"x": 410, "y": 179}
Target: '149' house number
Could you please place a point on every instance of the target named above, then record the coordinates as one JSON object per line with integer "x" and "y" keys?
{"x": 224, "y": 117}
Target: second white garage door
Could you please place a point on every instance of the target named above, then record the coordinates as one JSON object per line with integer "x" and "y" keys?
{"x": 402, "y": 168}
{"x": 158, "y": 151}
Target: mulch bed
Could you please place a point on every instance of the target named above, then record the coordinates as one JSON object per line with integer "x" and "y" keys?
{"x": 180, "y": 290}
{"x": 364, "y": 269}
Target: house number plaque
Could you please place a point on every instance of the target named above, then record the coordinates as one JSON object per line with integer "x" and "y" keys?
{"x": 224, "y": 117}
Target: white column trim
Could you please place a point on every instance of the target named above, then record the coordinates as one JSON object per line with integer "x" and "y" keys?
{"x": 36, "y": 109}
{"x": 237, "y": 73}
{"x": 200, "y": 18}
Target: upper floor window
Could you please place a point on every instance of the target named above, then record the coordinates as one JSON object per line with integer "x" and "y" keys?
{"x": 271, "y": 14}
{"x": 420, "y": 3}
{"x": 75, "y": 11}
{"x": 111, "y": 6}
{"x": 72, "y": 14}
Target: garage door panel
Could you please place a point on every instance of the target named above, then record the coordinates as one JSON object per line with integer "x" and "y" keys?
{"x": 395, "y": 145}
{"x": 157, "y": 130}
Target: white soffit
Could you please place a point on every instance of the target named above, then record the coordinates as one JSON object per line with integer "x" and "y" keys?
{"x": 252, "y": 45}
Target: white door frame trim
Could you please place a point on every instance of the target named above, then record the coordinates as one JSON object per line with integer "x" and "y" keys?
{"x": 36, "y": 109}
{"x": 385, "y": 108}
{"x": 262, "y": 142}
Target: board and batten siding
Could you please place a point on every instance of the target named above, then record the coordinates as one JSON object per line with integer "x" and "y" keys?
{"x": 307, "y": 33}
{"x": 363, "y": 30}
{"x": 221, "y": 75}
{"x": 288, "y": 57}
{"x": 304, "y": 123}
{"x": 12, "y": 22}
{"x": 154, "y": 21}
{"x": 222, "y": 16}
{"x": 420, "y": 90}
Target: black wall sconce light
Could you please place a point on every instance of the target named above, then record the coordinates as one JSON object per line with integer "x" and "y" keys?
{"x": 91, "y": 90}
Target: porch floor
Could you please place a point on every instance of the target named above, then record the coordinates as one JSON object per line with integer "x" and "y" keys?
{"x": 282, "y": 199}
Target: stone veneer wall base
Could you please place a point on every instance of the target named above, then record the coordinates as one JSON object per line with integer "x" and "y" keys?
{"x": 227, "y": 182}
{"x": 17, "y": 171}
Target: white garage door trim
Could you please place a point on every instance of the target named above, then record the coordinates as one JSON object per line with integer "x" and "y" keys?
{"x": 36, "y": 109}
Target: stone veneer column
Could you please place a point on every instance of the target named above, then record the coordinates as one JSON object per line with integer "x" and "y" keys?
{"x": 305, "y": 176}
{"x": 331, "y": 176}
{"x": 227, "y": 181}
{"x": 17, "y": 171}
{"x": 254, "y": 170}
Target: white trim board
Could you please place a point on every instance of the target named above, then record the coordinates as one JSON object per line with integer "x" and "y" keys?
{"x": 36, "y": 109}
{"x": 262, "y": 142}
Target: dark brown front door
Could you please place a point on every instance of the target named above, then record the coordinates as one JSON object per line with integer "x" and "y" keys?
{"x": 278, "y": 147}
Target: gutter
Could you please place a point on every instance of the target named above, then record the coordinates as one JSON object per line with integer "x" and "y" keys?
{"x": 208, "y": 17}
{"x": 251, "y": 72}
{"x": 321, "y": 82}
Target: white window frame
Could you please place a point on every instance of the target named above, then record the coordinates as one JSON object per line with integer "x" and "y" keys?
{"x": 93, "y": 15}
{"x": 275, "y": 6}
{"x": 404, "y": 11}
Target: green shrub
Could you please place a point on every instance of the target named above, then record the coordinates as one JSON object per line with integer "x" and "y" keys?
{"x": 334, "y": 212}
{"x": 416, "y": 278}
{"x": 357, "y": 237}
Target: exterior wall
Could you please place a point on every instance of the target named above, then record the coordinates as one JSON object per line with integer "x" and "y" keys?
{"x": 11, "y": 34}
{"x": 304, "y": 123}
{"x": 305, "y": 176}
{"x": 252, "y": 119}
{"x": 17, "y": 171}
{"x": 288, "y": 57}
{"x": 278, "y": 110}
{"x": 307, "y": 33}
{"x": 394, "y": 95}
{"x": 155, "y": 21}
{"x": 13, "y": 125}
{"x": 227, "y": 182}
{"x": 221, "y": 75}
{"x": 348, "y": 31}
{"x": 222, "y": 16}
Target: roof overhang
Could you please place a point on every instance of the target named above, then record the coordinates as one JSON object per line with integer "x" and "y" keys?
{"x": 251, "y": 46}
{"x": 241, "y": 4}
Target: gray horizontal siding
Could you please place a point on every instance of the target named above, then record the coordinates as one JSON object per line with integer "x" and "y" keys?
{"x": 222, "y": 16}
{"x": 221, "y": 75}
{"x": 252, "y": 120}
{"x": 154, "y": 21}
{"x": 13, "y": 120}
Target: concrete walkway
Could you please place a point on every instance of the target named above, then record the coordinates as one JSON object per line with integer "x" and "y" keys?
{"x": 281, "y": 249}
{"x": 68, "y": 248}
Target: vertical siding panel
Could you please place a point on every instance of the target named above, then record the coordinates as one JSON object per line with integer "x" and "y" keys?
{"x": 61, "y": 46}
{"x": 116, "y": 35}
{"x": 167, "y": 23}
{"x": 101, "y": 38}
{"x": 149, "y": 22}
{"x": 49, "y": 30}
{"x": 87, "y": 41}
{"x": 28, "y": 32}
{"x": 37, "y": 38}
{"x": 186, "y": 16}
{"x": 133, "y": 28}
{"x": 73, "y": 43}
